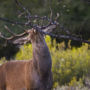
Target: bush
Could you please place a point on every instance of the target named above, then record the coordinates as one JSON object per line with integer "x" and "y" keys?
{"x": 25, "y": 52}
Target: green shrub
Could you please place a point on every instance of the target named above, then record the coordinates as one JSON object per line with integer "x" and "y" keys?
{"x": 66, "y": 64}
{"x": 25, "y": 52}
{"x": 70, "y": 63}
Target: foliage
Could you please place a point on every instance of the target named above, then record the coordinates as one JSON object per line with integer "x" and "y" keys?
{"x": 68, "y": 66}
{"x": 24, "y": 53}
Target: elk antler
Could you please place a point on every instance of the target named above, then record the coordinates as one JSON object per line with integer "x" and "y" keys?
{"x": 36, "y": 26}
{"x": 15, "y": 39}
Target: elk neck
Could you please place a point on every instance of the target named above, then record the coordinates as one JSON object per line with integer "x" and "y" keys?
{"x": 41, "y": 56}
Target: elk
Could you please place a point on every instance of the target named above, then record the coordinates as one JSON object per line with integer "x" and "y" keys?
{"x": 33, "y": 74}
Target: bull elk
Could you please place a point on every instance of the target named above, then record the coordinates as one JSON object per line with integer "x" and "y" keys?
{"x": 33, "y": 74}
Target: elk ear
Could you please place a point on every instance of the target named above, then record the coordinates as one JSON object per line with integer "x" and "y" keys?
{"x": 49, "y": 28}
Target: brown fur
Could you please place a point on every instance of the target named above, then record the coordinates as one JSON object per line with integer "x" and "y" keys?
{"x": 34, "y": 74}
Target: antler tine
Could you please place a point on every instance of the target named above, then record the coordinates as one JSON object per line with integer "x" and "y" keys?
{"x": 6, "y": 27}
{"x": 3, "y": 37}
{"x": 25, "y": 9}
{"x": 15, "y": 39}
{"x": 51, "y": 15}
{"x": 57, "y": 16}
{"x": 15, "y": 35}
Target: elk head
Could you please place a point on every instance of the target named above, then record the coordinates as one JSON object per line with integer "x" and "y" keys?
{"x": 27, "y": 36}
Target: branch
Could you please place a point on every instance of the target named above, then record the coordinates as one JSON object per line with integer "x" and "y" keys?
{"x": 11, "y": 21}
{"x": 65, "y": 37}
{"x": 9, "y": 30}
